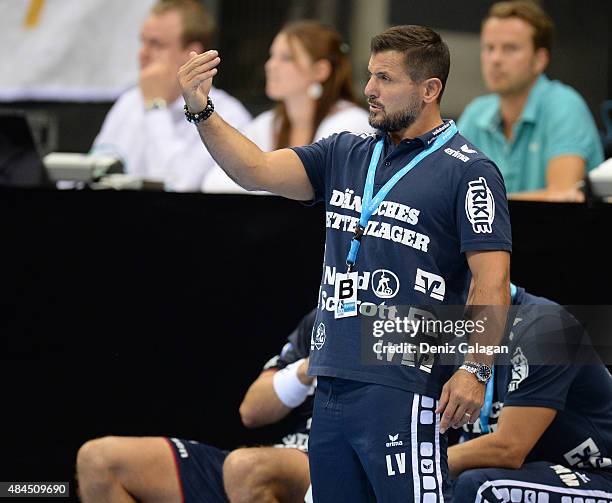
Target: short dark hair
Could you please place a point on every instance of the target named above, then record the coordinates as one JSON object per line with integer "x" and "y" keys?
{"x": 425, "y": 53}
{"x": 531, "y": 13}
{"x": 198, "y": 23}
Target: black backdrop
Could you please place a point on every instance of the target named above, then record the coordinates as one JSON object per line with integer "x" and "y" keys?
{"x": 139, "y": 313}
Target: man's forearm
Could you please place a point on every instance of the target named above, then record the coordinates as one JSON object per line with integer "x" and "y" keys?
{"x": 238, "y": 156}
{"x": 486, "y": 451}
{"x": 488, "y": 307}
{"x": 280, "y": 172}
{"x": 261, "y": 405}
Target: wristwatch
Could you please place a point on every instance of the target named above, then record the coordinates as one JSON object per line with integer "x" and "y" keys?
{"x": 481, "y": 370}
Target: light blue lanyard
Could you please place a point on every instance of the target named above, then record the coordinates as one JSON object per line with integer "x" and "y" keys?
{"x": 485, "y": 412}
{"x": 369, "y": 204}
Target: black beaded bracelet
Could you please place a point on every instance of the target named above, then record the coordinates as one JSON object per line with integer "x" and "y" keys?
{"x": 200, "y": 116}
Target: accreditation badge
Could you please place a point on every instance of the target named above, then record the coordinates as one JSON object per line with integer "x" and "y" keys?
{"x": 345, "y": 293}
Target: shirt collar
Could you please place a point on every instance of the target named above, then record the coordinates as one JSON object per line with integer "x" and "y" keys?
{"x": 426, "y": 139}
{"x": 491, "y": 117}
{"x": 539, "y": 89}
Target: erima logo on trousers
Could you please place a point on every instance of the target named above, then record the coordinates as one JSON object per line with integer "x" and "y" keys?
{"x": 394, "y": 441}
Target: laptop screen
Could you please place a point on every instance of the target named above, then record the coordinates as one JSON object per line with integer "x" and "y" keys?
{"x": 20, "y": 161}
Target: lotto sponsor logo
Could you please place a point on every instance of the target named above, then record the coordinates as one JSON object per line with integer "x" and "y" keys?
{"x": 480, "y": 206}
{"x": 346, "y": 307}
{"x": 430, "y": 284}
{"x": 393, "y": 441}
{"x": 456, "y": 154}
{"x": 382, "y": 311}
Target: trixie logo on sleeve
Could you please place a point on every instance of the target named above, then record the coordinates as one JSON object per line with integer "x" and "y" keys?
{"x": 480, "y": 206}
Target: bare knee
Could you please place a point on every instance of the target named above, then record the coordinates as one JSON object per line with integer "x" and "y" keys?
{"x": 124, "y": 469}
{"x": 96, "y": 461}
{"x": 248, "y": 476}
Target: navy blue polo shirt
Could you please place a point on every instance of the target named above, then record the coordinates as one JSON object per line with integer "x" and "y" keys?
{"x": 413, "y": 249}
{"x": 581, "y": 433}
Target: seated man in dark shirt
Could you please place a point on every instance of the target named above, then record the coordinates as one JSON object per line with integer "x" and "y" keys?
{"x": 549, "y": 422}
{"x": 176, "y": 470}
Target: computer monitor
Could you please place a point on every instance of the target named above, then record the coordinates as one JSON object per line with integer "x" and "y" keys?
{"x": 600, "y": 181}
{"x": 20, "y": 161}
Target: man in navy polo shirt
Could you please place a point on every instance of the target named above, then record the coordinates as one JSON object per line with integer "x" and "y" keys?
{"x": 419, "y": 208}
{"x": 549, "y": 418}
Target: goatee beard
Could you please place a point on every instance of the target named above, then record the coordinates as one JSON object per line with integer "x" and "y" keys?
{"x": 397, "y": 121}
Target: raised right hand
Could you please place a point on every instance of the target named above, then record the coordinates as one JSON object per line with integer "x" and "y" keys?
{"x": 195, "y": 78}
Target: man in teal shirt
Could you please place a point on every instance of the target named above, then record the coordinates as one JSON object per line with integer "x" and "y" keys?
{"x": 539, "y": 132}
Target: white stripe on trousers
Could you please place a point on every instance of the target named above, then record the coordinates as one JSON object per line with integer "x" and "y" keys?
{"x": 416, "y": 479}
{"x": 438, "y": 469}
{"x": 594, "y": 493}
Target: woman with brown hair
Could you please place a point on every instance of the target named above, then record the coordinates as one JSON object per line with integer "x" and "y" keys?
{"x": 308, "y": 74}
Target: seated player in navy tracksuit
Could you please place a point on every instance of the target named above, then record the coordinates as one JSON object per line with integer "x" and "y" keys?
{"x": 549, "y": 424}
{"x": 154, "y": 469}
